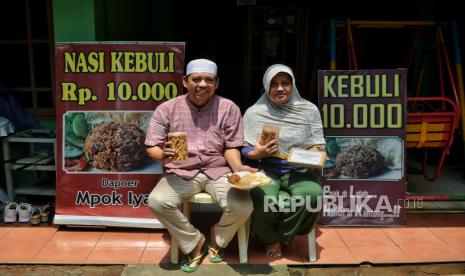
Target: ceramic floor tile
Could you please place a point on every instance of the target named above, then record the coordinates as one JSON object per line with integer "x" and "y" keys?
{"x": 379, "y": 254}
{"x": 4, "y": 230}
{"x": 59, "y": 254}
{"x": 427, "y": 238}
{"x": 334, "y": 255}
{"x": 68, "y": 247}
{"x": 412, "y": 236}
{"x": 14, "y": 253}
{"x": 75, "y": 238}
{"x": 23, "y": 243}
{"x": 159, "y": 240}
{"x": 30, "y": 234}
{"x": 459, "y": 249}
{"x": 123, "y": 239}
{"x": 115, "y": 255}
{"x": 363, "y": 237}
{"x": 325, "y": 237}
{"x": 450, "y": 235}
{"x": 431, "y": 253}
{"x": 155, "y": 255}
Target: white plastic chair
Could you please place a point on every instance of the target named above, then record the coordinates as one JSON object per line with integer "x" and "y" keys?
{"x": 242, "y": 232}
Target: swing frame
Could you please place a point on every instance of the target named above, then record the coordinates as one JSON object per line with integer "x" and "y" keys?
{"x": 431, "y": 121}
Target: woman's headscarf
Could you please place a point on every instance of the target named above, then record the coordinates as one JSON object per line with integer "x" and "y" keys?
{"x": 298, "y": 119}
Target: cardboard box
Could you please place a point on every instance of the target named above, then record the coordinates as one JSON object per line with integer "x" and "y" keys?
{"x": 307, "y": 158}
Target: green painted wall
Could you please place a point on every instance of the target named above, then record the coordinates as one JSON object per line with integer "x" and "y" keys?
{"x": 73, "y": 20}
{"x": 141, "y": 20}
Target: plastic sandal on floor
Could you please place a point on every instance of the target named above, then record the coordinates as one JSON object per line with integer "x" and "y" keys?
{"x": 24, "y": 212}
{"x": 35, "y": 216}
{"x": 218, "y": 251}
{"x": 219, "y": 255}
{"x": 187, "y": 268}
{"x": 10, "y": 213}
{"x": 45, "y": 213}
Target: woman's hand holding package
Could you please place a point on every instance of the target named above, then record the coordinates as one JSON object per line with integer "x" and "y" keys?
{"x": 264, "y": 151}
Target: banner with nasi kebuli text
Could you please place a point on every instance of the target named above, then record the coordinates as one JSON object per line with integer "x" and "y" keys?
{"x": 364, "y": 118}
{"x": 105, "y": 96}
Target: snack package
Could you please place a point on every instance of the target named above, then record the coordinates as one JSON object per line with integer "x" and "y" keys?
{"x": 269, "y": 132}
{"x": 179, "y": 144}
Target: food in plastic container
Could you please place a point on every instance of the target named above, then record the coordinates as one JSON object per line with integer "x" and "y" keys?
{"x": 269, "y": 132}
{"x": 178, "y": 141}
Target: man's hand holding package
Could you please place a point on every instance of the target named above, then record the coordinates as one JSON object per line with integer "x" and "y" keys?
{"x": 168, "y": 152}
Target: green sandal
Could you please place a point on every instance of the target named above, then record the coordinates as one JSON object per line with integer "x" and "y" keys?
{"x": 219, "y": 257}
{"x": 186, "y": 267}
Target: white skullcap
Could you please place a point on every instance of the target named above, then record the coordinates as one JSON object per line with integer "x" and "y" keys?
{"x": 201, "y": 66}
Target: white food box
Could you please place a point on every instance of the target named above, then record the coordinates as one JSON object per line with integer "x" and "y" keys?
{"x": 307, "y": 158}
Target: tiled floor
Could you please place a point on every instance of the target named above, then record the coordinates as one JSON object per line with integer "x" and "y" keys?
{"x": 426, "y": 238}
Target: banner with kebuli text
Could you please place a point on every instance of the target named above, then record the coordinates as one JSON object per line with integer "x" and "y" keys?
{"x": 105, "y": 96}
{"x": 364, "y": 118}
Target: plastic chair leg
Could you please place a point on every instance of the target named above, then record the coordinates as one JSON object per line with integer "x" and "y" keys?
{"x": 174, "y": 251}
{"x": 243, "y": 240}
{"x": 311, "y": 246}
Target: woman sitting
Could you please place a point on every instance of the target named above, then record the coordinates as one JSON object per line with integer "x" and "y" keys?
{"x": 299, "y": 125}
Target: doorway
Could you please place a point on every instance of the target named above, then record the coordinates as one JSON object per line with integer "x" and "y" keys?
{"x": 274, "y": 35}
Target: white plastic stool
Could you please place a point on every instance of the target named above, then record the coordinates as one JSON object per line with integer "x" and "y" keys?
{"x": 242, "y": 232}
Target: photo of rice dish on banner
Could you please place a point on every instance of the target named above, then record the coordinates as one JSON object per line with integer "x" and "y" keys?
{"x": 364, "y": 158}
{"x": 107, "y": 142}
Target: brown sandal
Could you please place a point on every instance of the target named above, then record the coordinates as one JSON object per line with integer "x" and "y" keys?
{"x": 45, "y": 213}
{"x": 36, "y": 216}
